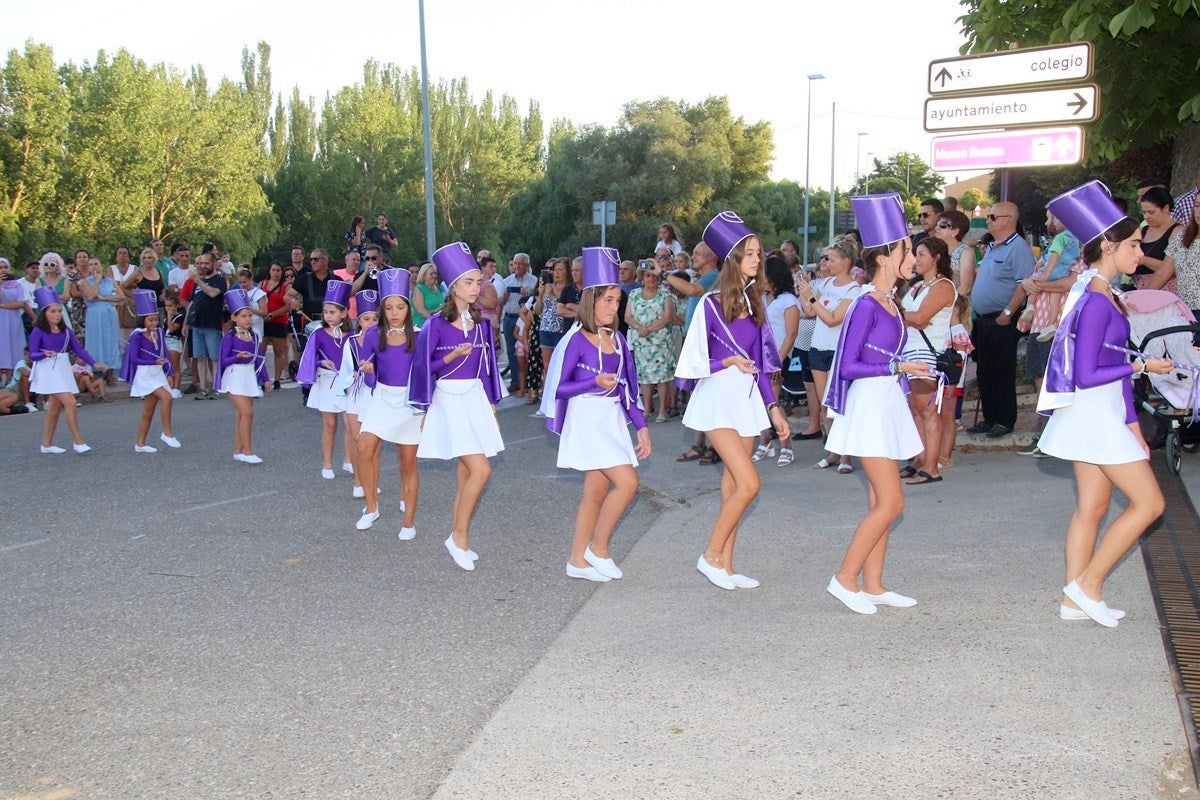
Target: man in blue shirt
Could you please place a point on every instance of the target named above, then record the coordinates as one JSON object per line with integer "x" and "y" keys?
{"x": 997, "y": 297}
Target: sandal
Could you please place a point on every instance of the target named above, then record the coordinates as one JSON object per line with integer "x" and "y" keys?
{"x": 922, "y": 477}
{"x": 763, "y": 451}
{"x": 692, "y": 454}
{"x": 785, "y": 457}
{"x": 711, "y": 457}
{"x": 822, "y": 464}
{"x": 907, "y": 471}
{"x": 845, "y": 469}
{"x": 530, "y": 399}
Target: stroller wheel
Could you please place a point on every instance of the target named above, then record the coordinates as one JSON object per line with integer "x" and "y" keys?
{"x": 293, "y": 368}
{"x": 1174, "y": 452}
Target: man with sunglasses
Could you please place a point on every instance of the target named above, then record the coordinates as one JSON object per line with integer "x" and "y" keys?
{"x": 997, "y": 297}
{"x": 931, "y": 209}
{"x": 311, "y": 283}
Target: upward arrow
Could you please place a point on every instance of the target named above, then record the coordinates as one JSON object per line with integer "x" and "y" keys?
{"x": 1079, "y": 104}
{"x": 1064, "y": 147}
{"x": 943, "y": 76}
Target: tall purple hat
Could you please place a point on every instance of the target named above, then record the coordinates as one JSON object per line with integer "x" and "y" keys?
{"x": 1087, "y": 211}
{"x": 395, "y": 282}
{"x": 338, "y": 293}
{"x": 367, "y": 302}
{"x": 145, "y": 302}
{"x": 724, "y": 232}
{"x": 453, "y": 261}
{"x": 600, "y": 266}
{"x": 880, "y": 219}
{"x": 236, "y": 300}
{"x": 45, "y": 296}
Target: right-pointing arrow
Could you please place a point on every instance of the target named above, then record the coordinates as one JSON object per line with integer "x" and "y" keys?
{"x": 1079, "y": 105}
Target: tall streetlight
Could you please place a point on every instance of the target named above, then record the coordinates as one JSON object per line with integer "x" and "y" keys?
{"x": 867, "y": 177}
{"x": 832, "y": 167}
{"x": 858, "y": 159}
{"x": 430, "y": 235}
{"x": 807, "y": 152}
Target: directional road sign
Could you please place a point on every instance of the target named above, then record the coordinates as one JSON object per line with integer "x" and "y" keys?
{"x": 1070, "y": 104}
{"x": 1031, "y": 66}
{"x": 1033, "y": 147}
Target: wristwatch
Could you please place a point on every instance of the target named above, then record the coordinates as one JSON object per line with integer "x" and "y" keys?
{"x": 1006, "y": 312}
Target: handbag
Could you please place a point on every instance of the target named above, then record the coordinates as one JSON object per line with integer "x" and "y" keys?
{"x": 949, "y": 361}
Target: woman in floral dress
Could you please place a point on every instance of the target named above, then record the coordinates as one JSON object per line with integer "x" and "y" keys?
{"x": 649, "y": 313}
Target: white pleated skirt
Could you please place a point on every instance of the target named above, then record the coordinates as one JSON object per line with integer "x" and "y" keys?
{"x": 147, "y": 379}
{"x": 241, "y": 379}
{"x": 595, "y": 435}
{"x": 1092, "y": 429}
{"x": 459, "y": 422}
{"x": 727, "y": 399}
{"x": 53, "y": 376}
{"x": 388, "y": 415}
{"x": 877, "y": 424}
{"x": 355, "y": 401}
{"x": 321, "y": 396}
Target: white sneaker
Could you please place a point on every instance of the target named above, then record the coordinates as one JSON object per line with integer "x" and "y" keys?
{"x": 894, "y": 599}
{"x": 855, "y": 601}
{"x": 717, "y": 575}
{"x": 587, "y": 573}
{"x": 144, "y": 448}
{"x": 408, "y": 534}
{"x": 327, "y": 474}
{"x": 53, "y": 449}
{"x": 176, "y": 394}
{"x": 359, "y": 491}
{"x": 1066, "y": 612}
{"x": 459, "y": 555}
{"x": 605, "y": 566}
{"x": 170, "y": 441}
{"x": 81, "y": 448}
{"x": 247, "y": 459}
{"x": 366, "y": 520}
{"x": 31, "y": 408}
{"x": 347, "y": 467}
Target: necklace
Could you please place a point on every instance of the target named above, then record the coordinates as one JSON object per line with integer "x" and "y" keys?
{"x": 243, "y": 332}
{"x": 398, "y": 331}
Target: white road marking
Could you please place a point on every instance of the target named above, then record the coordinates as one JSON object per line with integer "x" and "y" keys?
{"x": 203, "y": 506}
{"x": 19, "y": 545}
{"x": 530, "y": 439}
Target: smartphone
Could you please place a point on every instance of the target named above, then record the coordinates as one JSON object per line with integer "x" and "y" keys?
{"x": 645, "y": 264}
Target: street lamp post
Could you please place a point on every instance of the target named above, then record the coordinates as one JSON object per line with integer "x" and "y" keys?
{"x": 807, "y": 153}
{"x": 867, "y": 177}
{"x": 832, "y": 170}
{"x": 858, "y": 160}
{"x": 430, "y": 235}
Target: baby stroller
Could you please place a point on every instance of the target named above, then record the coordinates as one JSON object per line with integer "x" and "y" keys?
{"x": 1162, "y": 326}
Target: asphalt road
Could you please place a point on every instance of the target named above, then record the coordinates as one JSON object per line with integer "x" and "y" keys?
{"x": 183, "y": 625}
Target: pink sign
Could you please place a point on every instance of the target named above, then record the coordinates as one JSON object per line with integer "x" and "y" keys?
{"x": 1037, "y": 147}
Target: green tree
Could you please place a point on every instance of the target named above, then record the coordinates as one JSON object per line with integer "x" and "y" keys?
{"x": 1151, "y": 38}
{"x": 972, "y": 199}
{"x": 907, "y": 175}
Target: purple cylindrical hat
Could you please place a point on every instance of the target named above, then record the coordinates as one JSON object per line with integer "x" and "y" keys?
{"x": 338, "y": 293}
{"x": 600, "y": 266}
{"x": 394, "y": 282}
{"x": 45, "y": 296}
{"x": 724, "y": 232}
{"x": 367, "y": 302}
{"x": 145, "y": 301}
{"x": 880, "y": 219}
{"x": 236, "y": 300}
{"x": 1087, "y": 211}
{"x": 453, "y": 261}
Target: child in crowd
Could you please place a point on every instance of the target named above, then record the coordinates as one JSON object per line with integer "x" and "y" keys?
{"x": 19, "y": 384}
{"x": 319, "y": 366}
{"x": 145, "y": 368}
{"x": 350, "y": 386}
{"x": 88, "y": 381}
{"x": 387, "y": 358}
{"x": 51, "y": 374}
{"x": 175, "y": 317}
{"x": 241, "y": 372}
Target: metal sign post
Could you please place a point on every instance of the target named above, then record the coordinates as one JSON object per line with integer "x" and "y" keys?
{"x": 604, "y": 213}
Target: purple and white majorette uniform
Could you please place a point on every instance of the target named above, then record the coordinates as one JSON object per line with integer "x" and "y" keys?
{"x": 458, "y": 397}
{"x": 52, "y": 374}
{"x": 1088, "y": 391}
{"x": 349, "y": 385}
{"x": 592, "y": 422}
{"x": 240, "y": 369}
{"x": 388, "y": 414}
{"x": 726, "y": 397}
{"x": 140, "y": 367}
{"x": 866, "y": 401}
{"x": 323, "y": 345}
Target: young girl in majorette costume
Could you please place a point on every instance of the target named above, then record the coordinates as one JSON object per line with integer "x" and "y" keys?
{"x": 320, "y": 363}
{"x": 146, "y": 367}
{"x": 241, "y": 372}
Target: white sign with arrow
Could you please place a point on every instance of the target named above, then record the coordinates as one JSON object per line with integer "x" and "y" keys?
{"x": 1071, "y": 104}
{"x": 1030, "y": 66}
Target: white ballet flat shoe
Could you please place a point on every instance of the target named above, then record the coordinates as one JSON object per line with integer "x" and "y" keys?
{"x": 855, "y": 601}
{"x": 81, "y": 448}
{"x": 605, "y": 566}
{"x": 471, "y": 554}
{"x": 408, "y": 534}
{"x": 366, "y": 520}
{"x": 327, "y": 474}
{"x": 459, "y": 555}
{"x": 743, "y": 581}
{"x": 894, "y": 599}
{"x": 52, "y": 449}
{"x": 249, "y": 459}
{"x": 716, "y": 575}
{"x": 347, "y": 467}
{"x": 359, "y": 491}
{"x": 144, "y": 448}
{"x": 1096, "y": 609}
{"x": 587, "y": 573}
{"x": 170, "y": 441}
{"x": 1066, "y": 612}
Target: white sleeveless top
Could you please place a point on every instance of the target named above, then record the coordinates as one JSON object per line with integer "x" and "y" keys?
{"x": 938, "y": 329}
